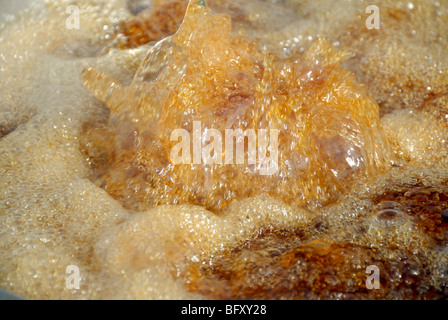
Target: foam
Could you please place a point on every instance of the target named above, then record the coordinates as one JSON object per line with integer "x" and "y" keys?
{"x": 52, "y": 215}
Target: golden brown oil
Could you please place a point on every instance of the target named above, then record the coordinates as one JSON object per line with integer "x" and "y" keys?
{"x": 85, "y": 170}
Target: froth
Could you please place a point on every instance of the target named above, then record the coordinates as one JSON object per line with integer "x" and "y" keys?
{"x": 52, "y": 215}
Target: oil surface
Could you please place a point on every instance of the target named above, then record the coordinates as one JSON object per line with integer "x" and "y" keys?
{"x": 86, "y": 178}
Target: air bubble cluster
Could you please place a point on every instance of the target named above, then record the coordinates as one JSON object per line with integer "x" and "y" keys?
{"x": 328, "y": 128}
{"x": 87, "y": 182}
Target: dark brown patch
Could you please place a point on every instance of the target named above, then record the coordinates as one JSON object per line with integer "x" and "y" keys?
{"x": 427, "y": 205}
{"x": 273, "y": 267}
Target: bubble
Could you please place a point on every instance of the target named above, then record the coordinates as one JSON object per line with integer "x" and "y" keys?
{"x": 390, "y": 215}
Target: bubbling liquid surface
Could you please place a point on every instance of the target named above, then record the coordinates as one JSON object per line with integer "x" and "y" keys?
{"x": 203, "y": 78}
{"x": 69, "y": 195}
